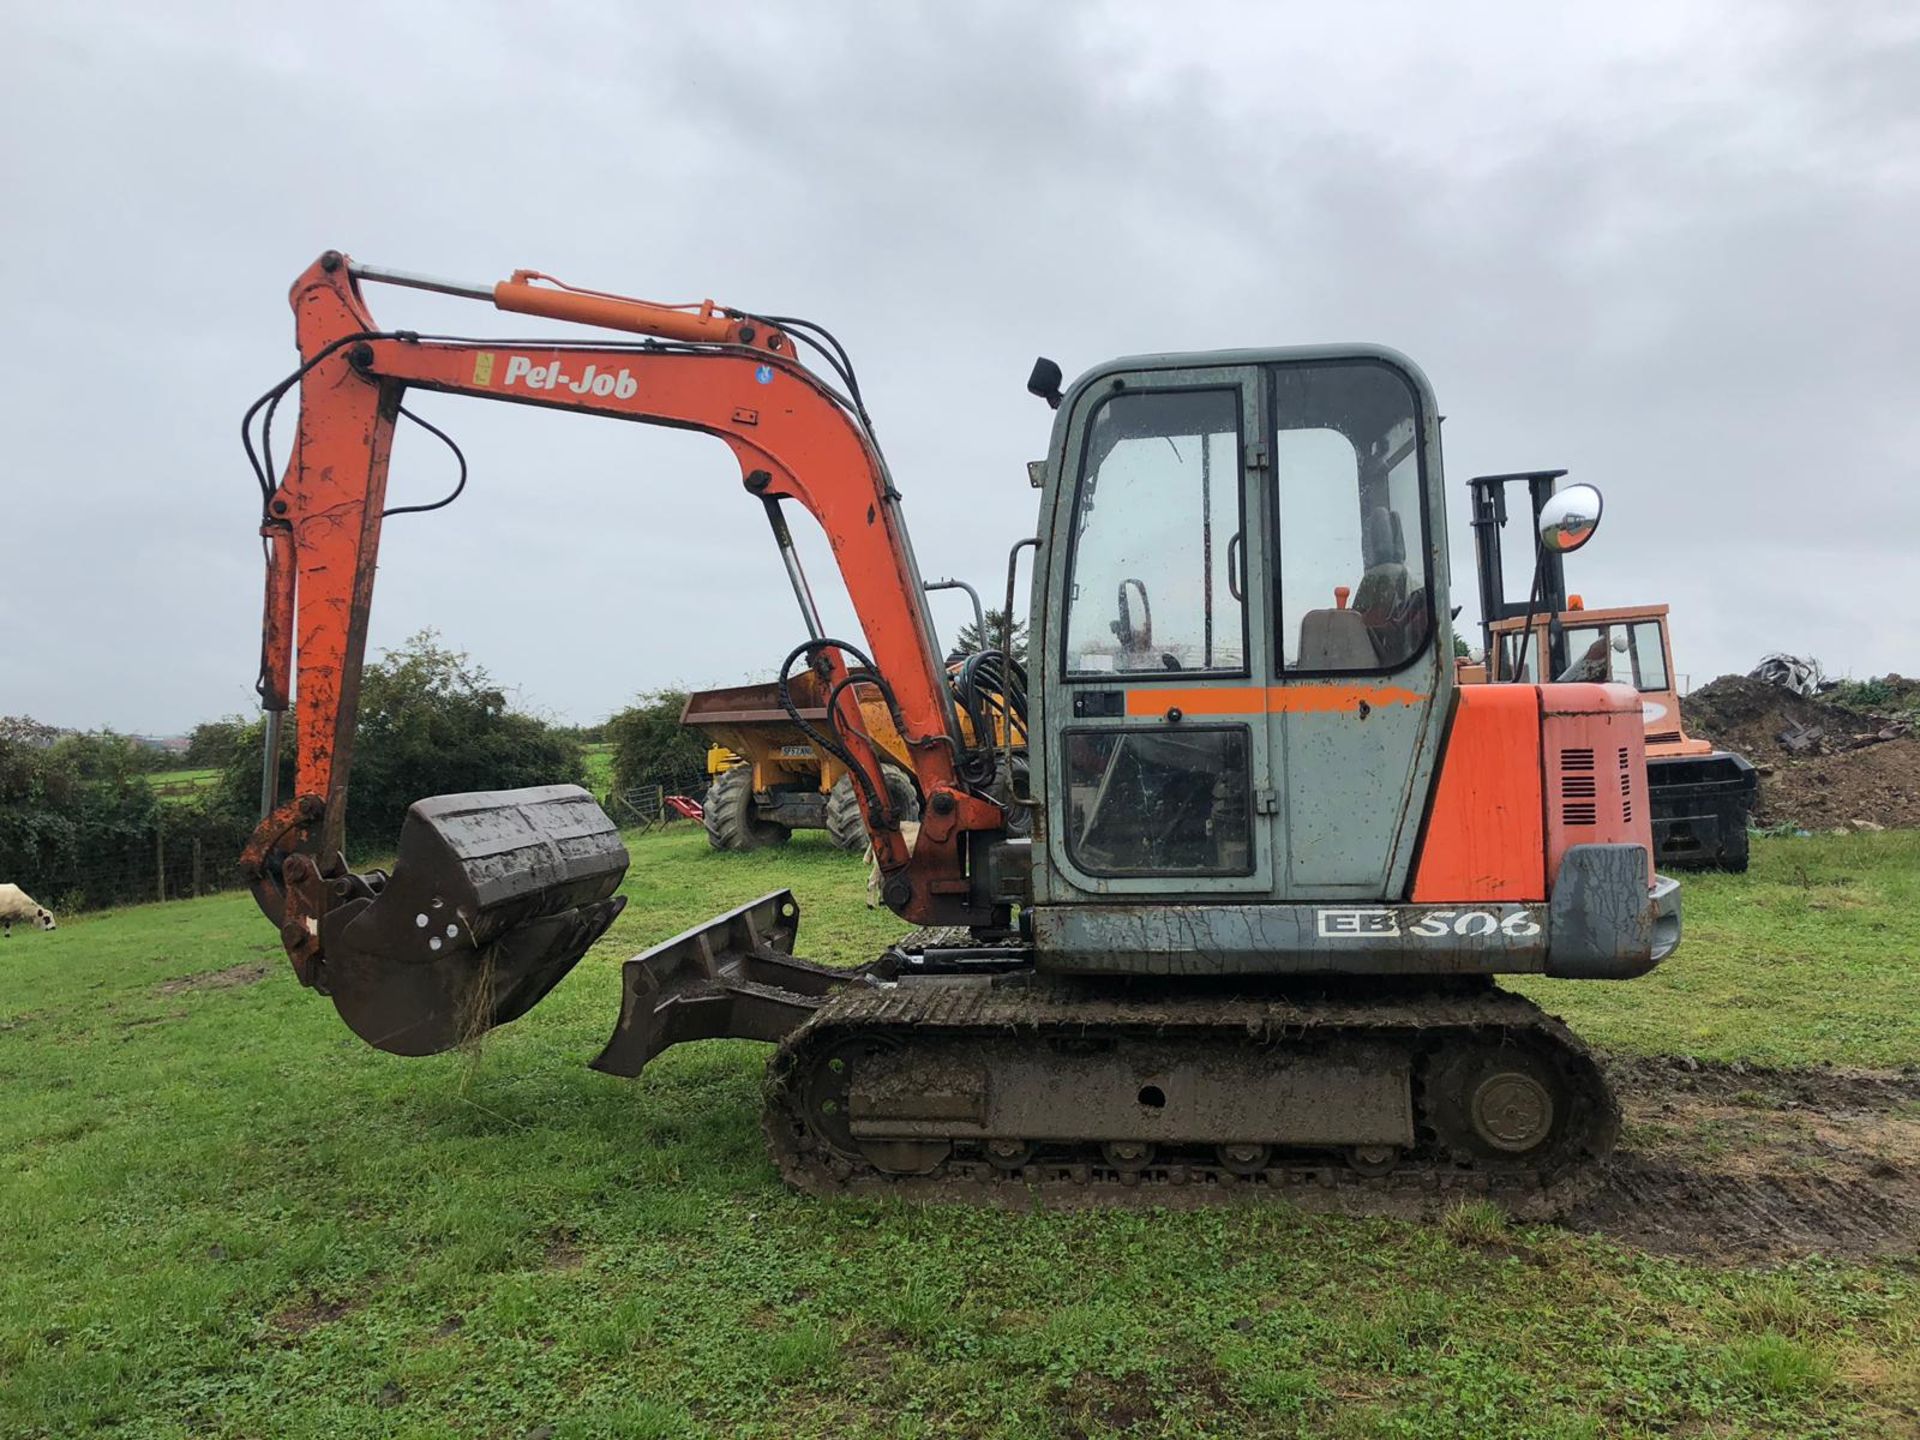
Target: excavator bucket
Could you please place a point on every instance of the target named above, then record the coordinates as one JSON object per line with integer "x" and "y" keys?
{"x": 494, "y": 897}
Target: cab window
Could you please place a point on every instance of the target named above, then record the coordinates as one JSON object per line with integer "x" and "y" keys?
{"x": 1168, "y": 801}
{"x": 1650, "y": 656}
{"x": 1352, "y": 529}
{"x": 1156, "y": 577}
{"x": 1625, "y": 654}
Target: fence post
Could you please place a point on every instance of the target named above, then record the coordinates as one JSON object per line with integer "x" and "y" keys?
{"x": 196, "y": 867}
{"x": 159, "y": 863}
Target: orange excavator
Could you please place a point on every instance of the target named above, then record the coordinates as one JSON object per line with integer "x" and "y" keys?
{"x": 1232, "y": 923}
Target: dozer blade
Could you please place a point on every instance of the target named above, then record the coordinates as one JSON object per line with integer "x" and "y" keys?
{"x": 733, "y": 977}
{"x": 494, "y": 897}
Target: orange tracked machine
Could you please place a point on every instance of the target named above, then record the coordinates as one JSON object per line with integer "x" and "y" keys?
{"x": 1229, "y": 922}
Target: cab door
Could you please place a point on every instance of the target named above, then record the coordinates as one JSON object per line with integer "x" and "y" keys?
{"x": 1156, "y": 757}
{"x": 1361, "y": 653}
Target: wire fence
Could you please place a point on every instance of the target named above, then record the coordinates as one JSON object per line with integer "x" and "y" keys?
{"x": 162, "y": 866}
{"x": 191, "y": 860}
{"x": 649, "y": 805}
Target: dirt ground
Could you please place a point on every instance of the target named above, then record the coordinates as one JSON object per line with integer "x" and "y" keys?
{"x": 1855, "y": 765}
{"x": 1739, "y": 1163}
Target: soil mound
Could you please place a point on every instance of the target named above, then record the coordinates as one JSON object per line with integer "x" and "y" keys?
{"x": 1822, "y": 765}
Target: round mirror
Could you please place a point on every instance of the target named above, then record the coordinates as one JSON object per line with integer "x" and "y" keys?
{"x": 1569, "y": 518}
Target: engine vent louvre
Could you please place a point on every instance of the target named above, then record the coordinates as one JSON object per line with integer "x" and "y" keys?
{"x": 1579, "y": 788}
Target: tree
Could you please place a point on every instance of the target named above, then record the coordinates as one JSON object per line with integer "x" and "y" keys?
{"x": 211, "y": 743}
{"x": 432, "y": 722}
{"x": 238, "y": 790}
{"x": 651, "y": 746}
{"x": 969, "y": 638}
{"x": 25, "y": 730}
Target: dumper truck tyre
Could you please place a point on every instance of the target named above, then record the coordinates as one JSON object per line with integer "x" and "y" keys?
{"x": 846, "y": 827}
{"x": 732, "y": 819}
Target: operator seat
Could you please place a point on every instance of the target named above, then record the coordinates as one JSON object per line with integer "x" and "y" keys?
{"x": 1335, "y": 639}
{"x": 1372, "y": 630}
{"x": 1383, "y": 588}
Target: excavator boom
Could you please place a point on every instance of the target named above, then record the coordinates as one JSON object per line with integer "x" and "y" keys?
{"x": 531, "y": 875}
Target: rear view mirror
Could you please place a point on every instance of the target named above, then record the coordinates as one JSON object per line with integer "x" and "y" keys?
{"x": 1569, "y": 518}
{"x": 1045, "y": 381}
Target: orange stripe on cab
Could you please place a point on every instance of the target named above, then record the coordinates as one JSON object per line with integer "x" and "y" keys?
{"x": 1266, "y": 699}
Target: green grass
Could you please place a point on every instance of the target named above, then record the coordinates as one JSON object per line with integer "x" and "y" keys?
{"x": 223, "y": 1216}
{"x": 599, "y": 758}
{"x": 1813, "y": 955}
{"x": 182, "y": 784}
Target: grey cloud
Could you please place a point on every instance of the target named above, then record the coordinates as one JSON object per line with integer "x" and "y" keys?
{"x": 1665, "y": 246}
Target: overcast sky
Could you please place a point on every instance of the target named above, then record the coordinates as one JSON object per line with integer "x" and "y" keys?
{"x": 1668, "y": 246}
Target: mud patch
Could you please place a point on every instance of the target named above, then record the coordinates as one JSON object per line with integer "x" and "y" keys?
{"x": 563, "y": 1251}
{"x": 1746, "y": 1163}
{"x": 213, "y": 980}
{"x": 295, "y": 1321}
{"x": 1099, "y": 1405}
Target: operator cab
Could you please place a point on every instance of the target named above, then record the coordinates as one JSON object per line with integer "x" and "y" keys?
{"x": 1241, "y": 566}
{"x": 1620, "y": 646}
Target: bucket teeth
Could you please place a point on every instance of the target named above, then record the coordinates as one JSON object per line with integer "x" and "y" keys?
{"x": 495, "y": 896}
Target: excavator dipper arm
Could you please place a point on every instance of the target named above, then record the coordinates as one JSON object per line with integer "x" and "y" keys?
{"x": 718, "y": 372}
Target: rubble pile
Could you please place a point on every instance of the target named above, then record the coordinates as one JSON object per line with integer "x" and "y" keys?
{"x": 1823, "y": 765}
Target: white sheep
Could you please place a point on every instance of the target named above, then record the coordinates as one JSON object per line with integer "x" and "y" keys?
{"x": 16, "y": 904}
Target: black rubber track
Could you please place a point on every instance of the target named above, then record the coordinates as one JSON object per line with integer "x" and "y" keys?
{"x": 1546, "y": 1184}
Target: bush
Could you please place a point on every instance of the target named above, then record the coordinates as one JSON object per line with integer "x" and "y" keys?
{"x": 238, "y": 791}
{"x": 213, "y": 743}
{"x": 1889, "y": 695}
{"x": 650, "y": 746}
{"x": 80, "y": 826}
{"x": 432, "y": 722}
{"x": 75, "y": 804}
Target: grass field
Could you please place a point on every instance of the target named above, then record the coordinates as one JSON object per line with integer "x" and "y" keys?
{"x": 599, "y": 758}
{"x": 182, "y": 784}
{"x": 185, "y": 784}
{"x": 223, "y": 1216}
